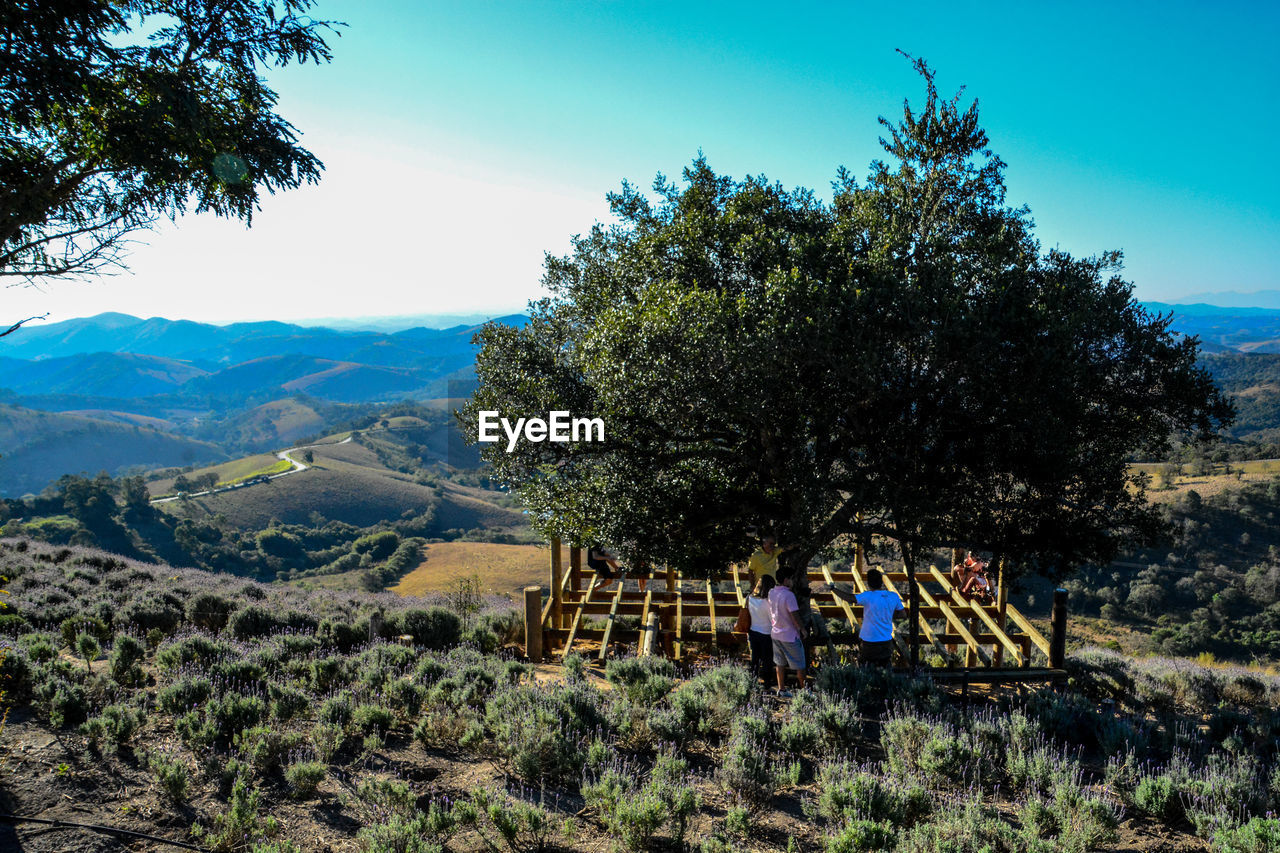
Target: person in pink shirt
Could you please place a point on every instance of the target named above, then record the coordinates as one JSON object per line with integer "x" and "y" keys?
{"x": 787, "y": 632}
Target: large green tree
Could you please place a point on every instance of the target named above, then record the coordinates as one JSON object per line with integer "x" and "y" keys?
{"x": 118, "y": 112}
{"x": 904, "y": 361}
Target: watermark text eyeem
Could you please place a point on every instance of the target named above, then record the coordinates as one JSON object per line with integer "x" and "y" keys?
{"x": 560, "y": 426}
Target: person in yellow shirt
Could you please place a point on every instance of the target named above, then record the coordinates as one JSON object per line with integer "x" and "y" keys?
{"x": 765, "y": 560}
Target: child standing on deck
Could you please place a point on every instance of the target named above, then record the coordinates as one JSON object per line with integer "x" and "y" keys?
{"x": 787, "y": 633}
{"x": 760, "y": 635}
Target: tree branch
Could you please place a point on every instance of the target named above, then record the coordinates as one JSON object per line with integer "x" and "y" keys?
{"x": 18, "y": 325}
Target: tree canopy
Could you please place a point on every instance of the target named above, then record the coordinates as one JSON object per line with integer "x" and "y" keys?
{"x": 118, "y": 112}
{"x": 903, "y": 361}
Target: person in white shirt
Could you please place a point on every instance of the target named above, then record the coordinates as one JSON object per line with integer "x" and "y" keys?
{"x": 760, "y": 635}
{"x": 879, "y": 609}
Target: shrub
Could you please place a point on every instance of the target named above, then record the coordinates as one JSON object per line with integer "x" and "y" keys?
{"x": 643, "y": 680}
{"x": 64, "y": 701}
{"x": 432, "y": 628}
{"x": 232, "y": 714}
{"x": 184, "y": 694}
{"x": 1259, "y": 835}
{"x": 862, "y": 836}
{"x": 328, "y": 673}
{"x": 115, "y": 725}
{"x": 371, "y": 718}
{"x": 15, "y": 672}
{"x": 838, "y": 721}
{"x": 704, "y": 705}
{"x": 196, "y": 649}
{"x": 424, "y": 832}
{"x": 286, "y": 702}
{"x": 938, "y": 752}
{"x": 240, "y": 823}
{"x": 540, "y": 732}
{"x": 209, "y": 611}
{"x": 152, "y": 610}
{"x": 264, "y": 749}
{"x": 1158, "y": 797}
{"x": 631, "y": 815}
{"x": 173, "y": 776}
{"x": 123, "y": 663}
{"x": 405, "y": 696}
{"x": 342, "y": 636}
{"x": 304, "y": 778}
{"x": 519, "y": 825}
{"x": 746, "y": 771}
{"x": 335, "y": 710}
{"x": 848, "y": 792}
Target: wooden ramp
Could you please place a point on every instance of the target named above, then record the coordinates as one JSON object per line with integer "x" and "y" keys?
{"x": 660, "y": 618}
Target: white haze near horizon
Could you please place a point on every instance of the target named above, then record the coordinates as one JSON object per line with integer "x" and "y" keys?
{"x": 387, "y": 232}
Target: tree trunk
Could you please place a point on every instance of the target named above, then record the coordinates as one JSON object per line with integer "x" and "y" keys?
{"x": 913, "y": 595}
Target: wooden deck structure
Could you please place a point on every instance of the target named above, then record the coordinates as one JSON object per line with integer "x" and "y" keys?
{"x": 992, "y": 643}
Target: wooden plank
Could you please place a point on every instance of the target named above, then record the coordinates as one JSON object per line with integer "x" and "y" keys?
{"x": 924, "y": 625}
{"x": 679, "y": 622}
{"x": 577, "y": 621}
{"x": 1030, "y": 630}
{"x": 844, "y": 605}
{"x": 737, "y": 586}
{"x": 997, "y": 676}
{"x": 711, "y": 608}
{"x": 575, "y": 568}
{"x": 1009, "y": 645}
{"x": 644, "y": 614}
{"x": 958, "y": 625}
{"x": 546, "y": 610}
{"x": 608, "y": 627}
{"x": 557, "y": 589}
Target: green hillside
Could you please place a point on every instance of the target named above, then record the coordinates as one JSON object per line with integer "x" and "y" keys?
{"x": 38, "y": 447}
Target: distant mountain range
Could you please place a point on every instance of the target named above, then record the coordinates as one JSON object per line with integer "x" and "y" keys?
{"x": 1224, "y": 329}
{"x": 115, "y": 392}
{"x": 1268, "y": 299}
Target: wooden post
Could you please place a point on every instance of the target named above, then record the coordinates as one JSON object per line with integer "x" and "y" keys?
{"x": 533, "y": 623}
{"x": 375, "y": 625}
{"x": 1058, "y": 634}
{"x": 1002, "y": 606}
{"x": 913, "y": 607}
{"x": 671, "y": 583}
{"x": 557, "y": 578}
{"x": 575, "y": 568}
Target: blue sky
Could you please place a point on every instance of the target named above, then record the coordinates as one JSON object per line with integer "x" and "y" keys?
{"x": 463, "y": 140}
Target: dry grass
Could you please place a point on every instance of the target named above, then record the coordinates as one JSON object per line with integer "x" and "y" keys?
{"x": 1257, "y": 471}
{"x": 502, "y": 569}
{"x": 227, "y": 472}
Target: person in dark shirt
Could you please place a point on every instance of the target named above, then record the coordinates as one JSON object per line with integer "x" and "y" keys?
{"x": 604, "y": 564}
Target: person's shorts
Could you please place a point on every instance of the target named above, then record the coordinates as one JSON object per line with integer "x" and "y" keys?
{"x": 876, "y": 654}
{"x": 603, "y": 571}
{"x": 788, "y": 654}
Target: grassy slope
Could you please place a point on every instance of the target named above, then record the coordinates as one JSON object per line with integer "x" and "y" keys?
{"x": 39, "y": 447}
{"x": 349, "y": 483}
{"x": 502, "y": 569}
{"x": 1160, "y": 707}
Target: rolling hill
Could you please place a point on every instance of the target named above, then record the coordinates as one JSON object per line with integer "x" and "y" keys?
{"x": 39, "y": 447}
{"x": 354, "y": 483}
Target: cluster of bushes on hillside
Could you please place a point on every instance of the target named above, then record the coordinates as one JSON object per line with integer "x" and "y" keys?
{"x": 118, "y": 516}
{"x": 235, "y": 698}
{"x": 1214, "y": 588}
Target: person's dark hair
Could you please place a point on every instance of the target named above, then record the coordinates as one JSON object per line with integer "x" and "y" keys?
{"x": 766, "y": 583}
{"x": 875, "y": 579}
{"x": 784, "y": 575}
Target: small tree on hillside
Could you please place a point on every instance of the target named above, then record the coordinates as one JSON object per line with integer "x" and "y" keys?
{"x": 902, "y": 362}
